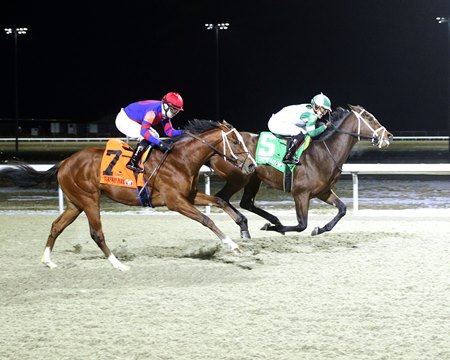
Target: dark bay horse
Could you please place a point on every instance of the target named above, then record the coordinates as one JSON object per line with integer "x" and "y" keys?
{"x": 315, "y": 178}
{"x": 173, "y": 182}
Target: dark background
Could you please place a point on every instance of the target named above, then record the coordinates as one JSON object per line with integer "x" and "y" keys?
{"x": 83, "y": 62}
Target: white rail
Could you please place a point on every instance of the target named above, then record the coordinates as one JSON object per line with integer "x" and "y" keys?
{"x": 353, "y": 169}
{"x": 390, "y": 169}
{"x": 205, "y": 170}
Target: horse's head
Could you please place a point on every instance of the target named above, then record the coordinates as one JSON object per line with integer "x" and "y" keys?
{"x": 224, "y": 140}
{"x": 370, "y": 128}
{"x": 235, "y": 150}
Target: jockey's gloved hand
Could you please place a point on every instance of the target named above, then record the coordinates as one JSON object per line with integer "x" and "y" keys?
{"x": 164, "y": 147}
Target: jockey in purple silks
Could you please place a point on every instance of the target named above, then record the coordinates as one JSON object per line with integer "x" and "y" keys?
{"x": 137, "y": 121}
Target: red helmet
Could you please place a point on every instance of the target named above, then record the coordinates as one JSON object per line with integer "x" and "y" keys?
{"x": 174, "y": 100}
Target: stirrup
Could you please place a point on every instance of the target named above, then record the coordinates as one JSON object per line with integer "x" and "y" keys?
{"x": 135, "y": 168}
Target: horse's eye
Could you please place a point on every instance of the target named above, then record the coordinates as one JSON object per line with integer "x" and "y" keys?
{"x": 236, "y": 142}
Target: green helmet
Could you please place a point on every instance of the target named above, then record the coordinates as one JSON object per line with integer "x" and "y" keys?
{"x": 320, "y": 100}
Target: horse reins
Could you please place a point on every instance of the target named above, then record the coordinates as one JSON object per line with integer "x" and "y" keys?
{"x": 155, "y": 170}
{"x": 234, "y": 160}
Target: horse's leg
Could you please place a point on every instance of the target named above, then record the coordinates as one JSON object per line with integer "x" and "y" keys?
{"x": 225, "y": 194}
{"x": 301, "y": 209}
{"x": 248, "y": 203}
{"x": 95, "y": 227}
{"x": 203, "y": 200}
{"x": 331, "y": 198}
{"x": 184, "y": 207}
{"x": 65, "y": 219}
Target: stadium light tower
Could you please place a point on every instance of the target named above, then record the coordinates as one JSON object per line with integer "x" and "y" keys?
{"x": 442, "y": 20}
{"x": 217, "y": 27}
{"x": 16, "y": 32}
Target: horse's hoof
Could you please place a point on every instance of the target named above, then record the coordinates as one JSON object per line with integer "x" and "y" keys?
{"x": 315, "y": 231}
{"x": 49, "y": 264}
{"x": 238, "y": 250}
{"x": 123, "y": 268}
{"x": 266, "y": 226}
{"x": 245, "y": 234}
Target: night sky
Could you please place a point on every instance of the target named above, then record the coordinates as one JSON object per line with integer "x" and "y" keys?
{"x": 84, "y": 63}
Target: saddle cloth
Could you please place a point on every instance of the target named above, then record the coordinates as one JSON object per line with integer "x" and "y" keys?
{"x": 113, "y": 170}
{"x": 271, "y": 150}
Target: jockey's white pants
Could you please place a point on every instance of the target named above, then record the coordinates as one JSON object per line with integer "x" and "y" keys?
{"x": 283, "y": 127}
{"x": 131, "y": 128}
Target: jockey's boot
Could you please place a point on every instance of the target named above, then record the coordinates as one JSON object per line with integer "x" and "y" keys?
{"x": 293, "y": 143}
{"x": 133, "y": 164}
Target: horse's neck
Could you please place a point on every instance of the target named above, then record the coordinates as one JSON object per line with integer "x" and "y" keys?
{"x": 198, "y": 152}
{"x": 340, "y": 145}
{"x": 343, "y": 143}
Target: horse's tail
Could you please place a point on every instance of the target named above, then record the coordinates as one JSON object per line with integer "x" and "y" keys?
{"x": 24, "y": 175}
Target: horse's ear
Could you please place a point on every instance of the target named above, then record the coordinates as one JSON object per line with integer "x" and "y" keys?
{"x": 227, "y": 124}
{"x": 352, "y": 107}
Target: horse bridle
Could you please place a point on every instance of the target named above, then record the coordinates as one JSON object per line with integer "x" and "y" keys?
{"x": 226, "y": 145}
{"x": 376, "y": 138}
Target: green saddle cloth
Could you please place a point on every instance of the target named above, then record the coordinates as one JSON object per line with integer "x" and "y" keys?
{"x": 271, "y": 151}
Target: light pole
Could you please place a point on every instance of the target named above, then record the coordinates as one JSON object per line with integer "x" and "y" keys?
{"x": 16, "y": 32}
{"x": 217, "y": 27}
{"x": 442, "y": 20}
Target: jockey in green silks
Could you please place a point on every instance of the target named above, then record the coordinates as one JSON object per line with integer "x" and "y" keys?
{"x": 295, "y": 121}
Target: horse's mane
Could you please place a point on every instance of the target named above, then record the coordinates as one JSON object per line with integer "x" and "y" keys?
{"x": 197, "y": 126}
{"x": 336, "y": 117}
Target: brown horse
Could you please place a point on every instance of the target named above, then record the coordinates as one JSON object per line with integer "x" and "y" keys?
{"x": 315, "y": 178}
{"x": 173, "y": 182}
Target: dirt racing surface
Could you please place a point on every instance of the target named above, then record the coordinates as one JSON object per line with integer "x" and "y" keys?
{"x": 376, "y": 287}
